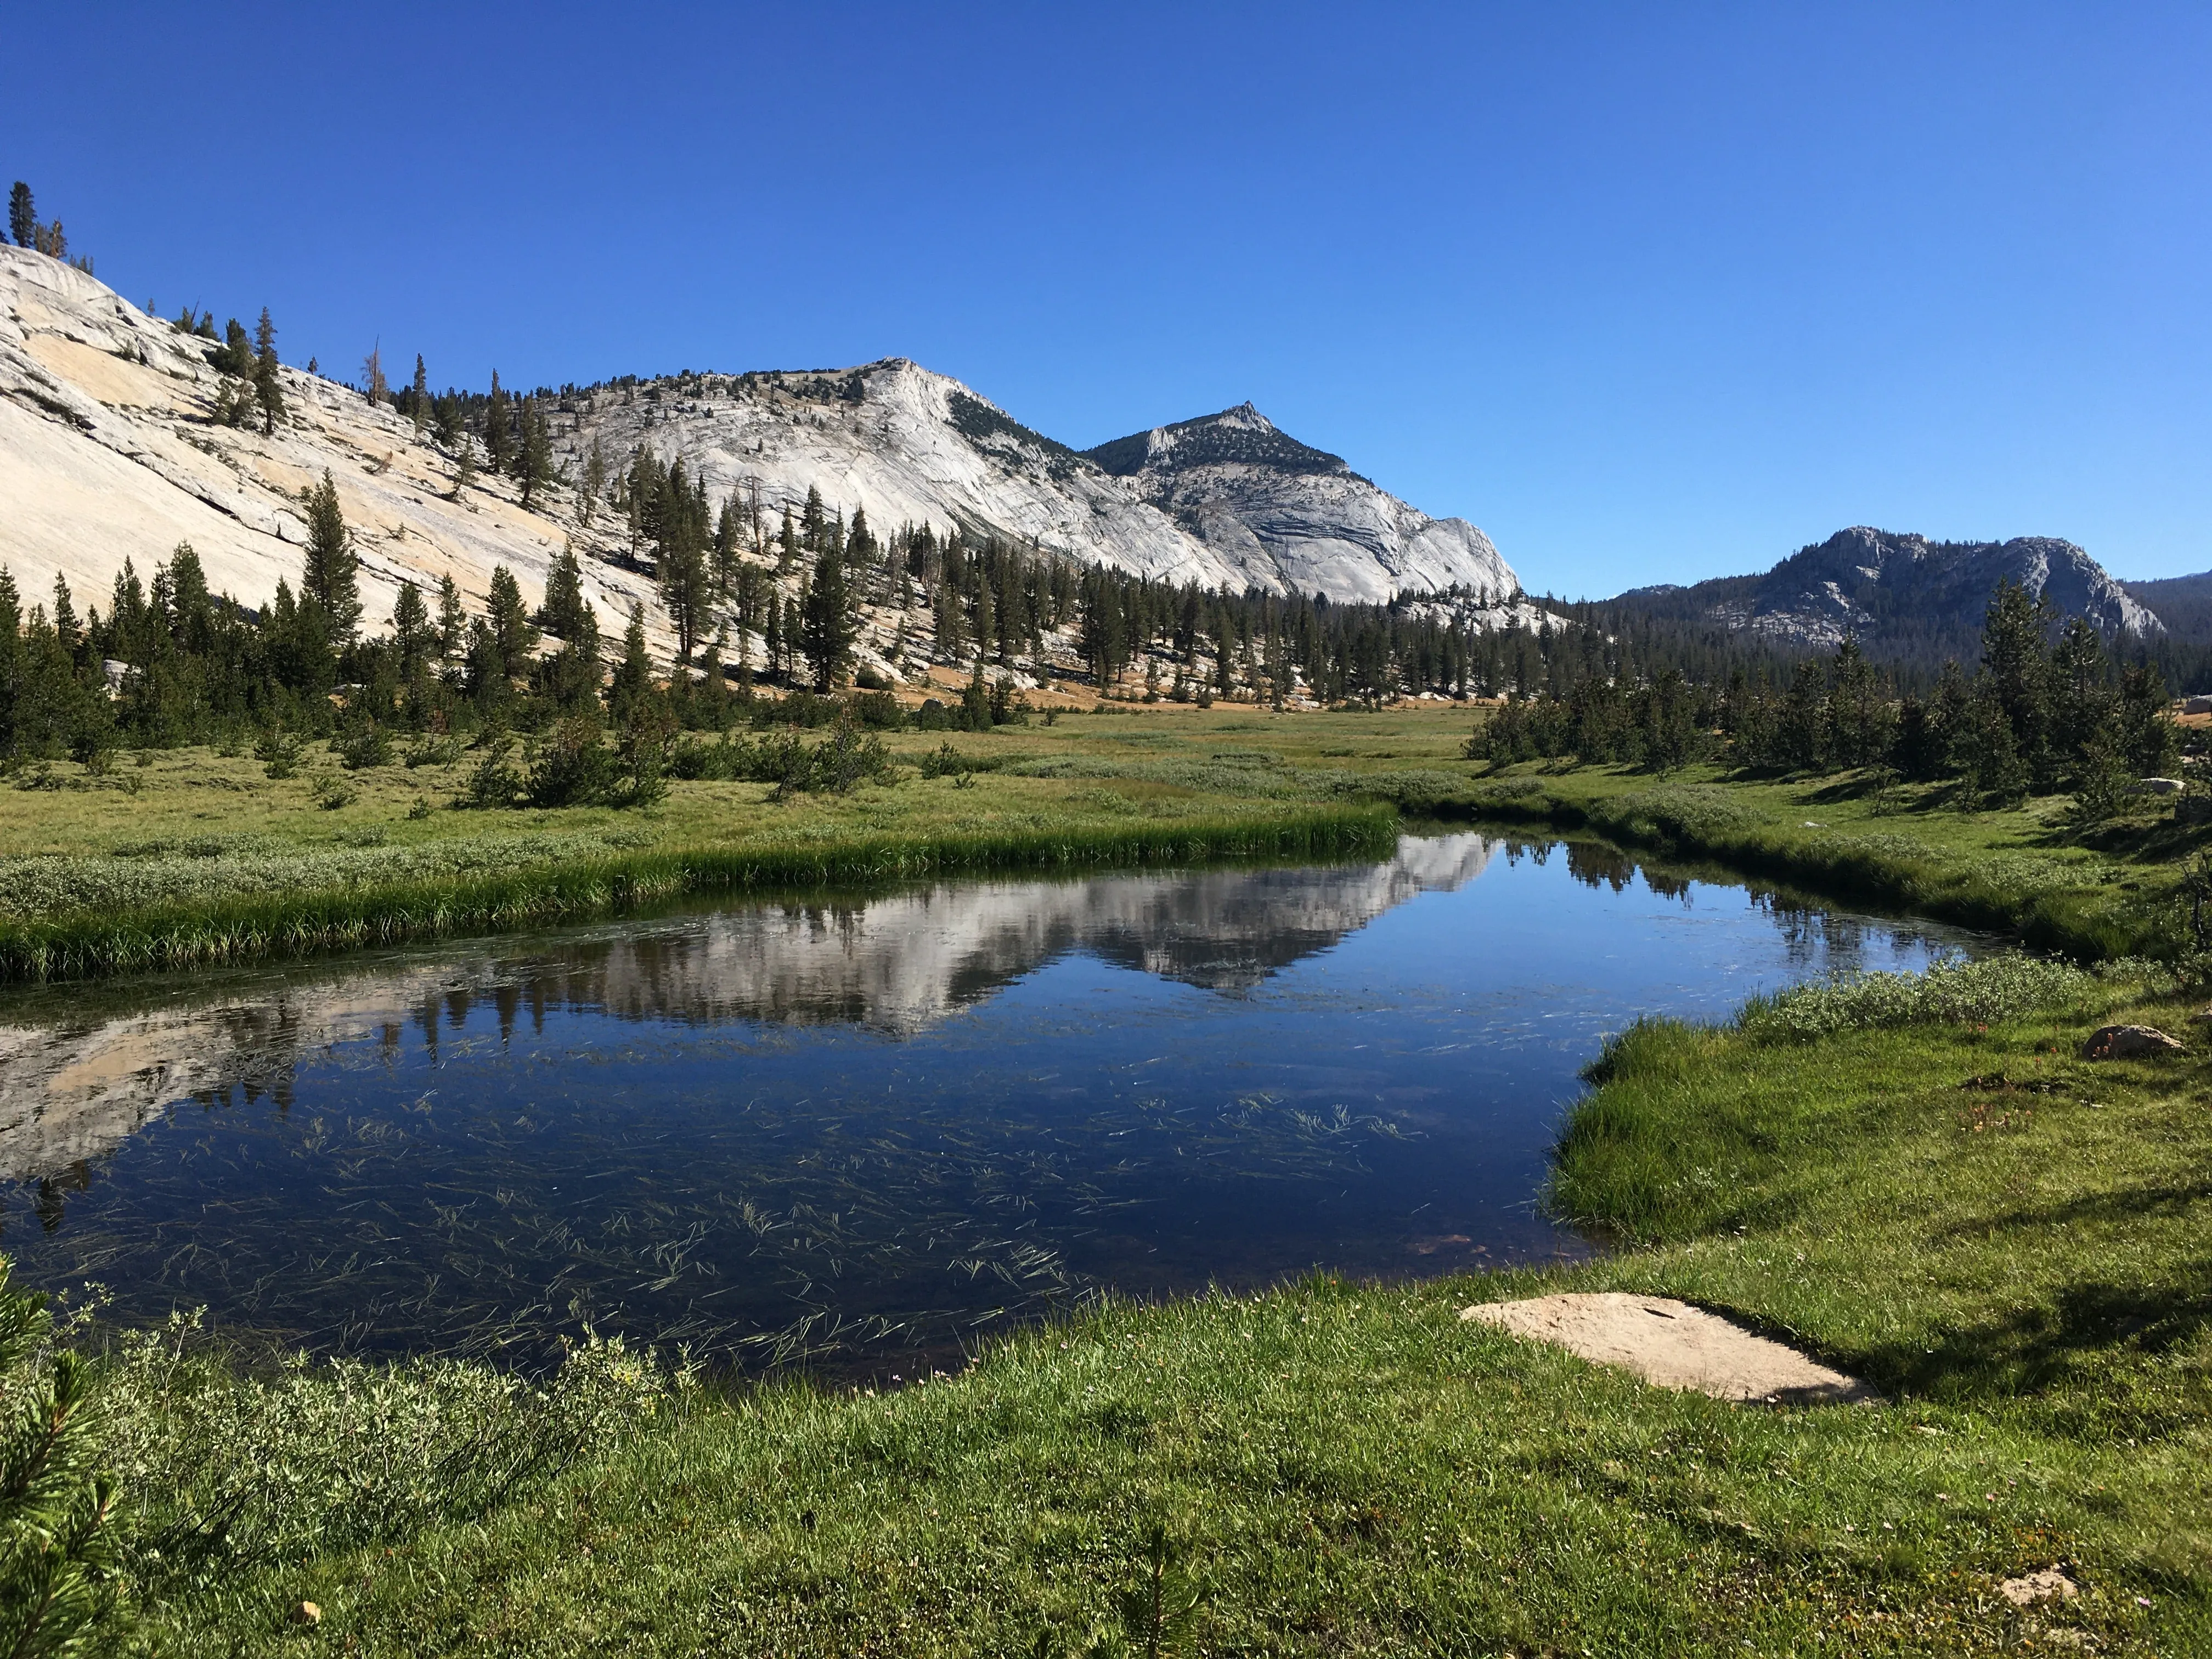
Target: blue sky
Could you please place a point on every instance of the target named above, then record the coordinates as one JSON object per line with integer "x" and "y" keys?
{"x": 1650, "y": 293}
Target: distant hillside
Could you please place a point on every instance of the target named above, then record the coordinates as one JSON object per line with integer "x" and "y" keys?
{"x": 2184, "y": 604}
{"x": 1227, "y": 501}
{"x": 1904, "y": 597}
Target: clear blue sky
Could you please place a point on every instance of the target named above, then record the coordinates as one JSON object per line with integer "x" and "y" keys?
{"x": 1650, "y": 292}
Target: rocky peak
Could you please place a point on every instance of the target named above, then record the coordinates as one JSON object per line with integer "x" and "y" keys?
{"x": 1241, "y": 436}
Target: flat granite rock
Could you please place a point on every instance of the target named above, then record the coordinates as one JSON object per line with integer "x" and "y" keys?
{"x": 1672, "y": 1344}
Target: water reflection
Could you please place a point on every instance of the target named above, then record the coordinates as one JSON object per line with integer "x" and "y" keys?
{"x": 77, "y": 1083}
{"x": 851, "y": 1128}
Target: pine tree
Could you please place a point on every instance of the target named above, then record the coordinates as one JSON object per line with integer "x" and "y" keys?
{"x": 412, "y": 637}
{"x": 498, "y": 433}
{"x": 595, "y": 482}
{"x": 2147, "y": 739}
{"x": 266, "y": 386}
{"x": 1801, "y": 733}
{"x": 330, "y": 578}
{"x": 453, "y": 622}
{"x": 2013, "y": 630}
{"x": 11, "y": 650}
{"x": 235, "y": 354}
{"x": 533, "y": 458}
{"x": 633, "y": 679}
{"x": 729, "y": 529}
{"x": 827, "y": 623}
{"x": 418, "y": 396}
{"x": 57, "y": 1511}
{"x": 564, "y": 609}
{"x": 513, "y": 638}
{"x": 67, "y": 629}
{"x": 772, "y": 634}
{"x": 22, "y": 217}
{"x": 2082, "y": 701}
{"x": 373, "y": 382}
{"x": 1859, "y": 719}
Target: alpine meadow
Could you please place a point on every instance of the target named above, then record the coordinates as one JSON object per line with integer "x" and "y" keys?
{"x": 750, "y": 1009}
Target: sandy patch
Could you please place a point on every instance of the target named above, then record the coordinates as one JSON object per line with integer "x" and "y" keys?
{"x": 1672, "y": 1344}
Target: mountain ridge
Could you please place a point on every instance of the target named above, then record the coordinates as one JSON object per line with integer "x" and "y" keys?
{"x": 1226, "y": 500}
{"x": 1898, "y": 593}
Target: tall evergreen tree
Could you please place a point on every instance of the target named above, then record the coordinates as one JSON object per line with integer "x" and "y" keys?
{"x": 499, "y": 427}
{"x": 2013, "y": 661}
{"x": 235, "y": 354}
{"x": 633, "y": 679}
{"x": 827, "y": 624}
{"x": 413, "y": 638}
{"x": 331, "y": 580}
{"x": 453, "y": 622}
{"x": 595, "y": 482}
{"x": 2082, "y": 701}
{"x": 533, "y": 455}
{"x": 22, "y": 217}
{"x": 418, "y": 396}
{"x": 513, "y": 637}
{"x": 564, "y": 609}
{"x": 11, "y": 654}
{"x": 266, "y": 386}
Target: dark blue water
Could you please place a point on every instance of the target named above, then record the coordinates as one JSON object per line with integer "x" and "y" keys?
{"x": 860, "y": 1133}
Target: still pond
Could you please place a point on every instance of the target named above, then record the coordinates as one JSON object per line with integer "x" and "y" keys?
{"x": 857, "y": 1133}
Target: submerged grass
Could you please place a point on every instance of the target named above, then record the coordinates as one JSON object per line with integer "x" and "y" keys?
{"x": 242, "y": 927}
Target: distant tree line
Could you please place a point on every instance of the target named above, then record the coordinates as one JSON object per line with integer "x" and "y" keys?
{"x": 2048, "y": 708}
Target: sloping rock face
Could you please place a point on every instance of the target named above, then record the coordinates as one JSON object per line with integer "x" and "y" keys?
{"x": 109, "y": 450}
{"x": 1900, "y": 591}
{"x": 1299, "y": 517}
{"x": 1227, "y": 501}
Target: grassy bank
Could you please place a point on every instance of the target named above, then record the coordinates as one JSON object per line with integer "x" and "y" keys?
{"x": 198, "y": 856}
{"x": 603, "y": 881}
{"x": 1921, "y": 1184}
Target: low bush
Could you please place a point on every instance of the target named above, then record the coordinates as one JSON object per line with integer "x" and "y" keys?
{"x": 223, "y": 1470}
{"x": 1957, "y": 992}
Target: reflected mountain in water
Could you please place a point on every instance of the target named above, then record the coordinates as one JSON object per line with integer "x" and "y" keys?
{"x": 80, "y": 1073}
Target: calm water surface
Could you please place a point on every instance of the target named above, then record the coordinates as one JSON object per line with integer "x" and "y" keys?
{"x": 861, "y": 1132}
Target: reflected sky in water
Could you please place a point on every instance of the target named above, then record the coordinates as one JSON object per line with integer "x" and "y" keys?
{"x": 858, "y": 1133}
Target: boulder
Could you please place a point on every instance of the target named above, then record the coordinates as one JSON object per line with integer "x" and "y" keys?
{"x": 2128, "y": 1043}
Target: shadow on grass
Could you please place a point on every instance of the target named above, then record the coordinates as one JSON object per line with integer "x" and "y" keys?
{"x": 2128, "y": 1203}
{"x": 2073, "y": 1341}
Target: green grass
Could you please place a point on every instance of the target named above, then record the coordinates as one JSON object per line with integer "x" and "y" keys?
{"x": 195, "y": 856}
{"x": 2020, "y": 1266}
{"x": 217, "y": 928}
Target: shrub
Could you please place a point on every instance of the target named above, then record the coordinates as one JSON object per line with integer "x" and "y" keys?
{"x": 494, "y": 783}
{"x": 367, "y": 746}
{"x": 330, "y": 794}
{"x": 435, "y": 751}
{"x": 572, "y": 766}
{"x": 1951, "y": 992}
{"x": 278, "y": 752}
{"x": 227, "y": 1472}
